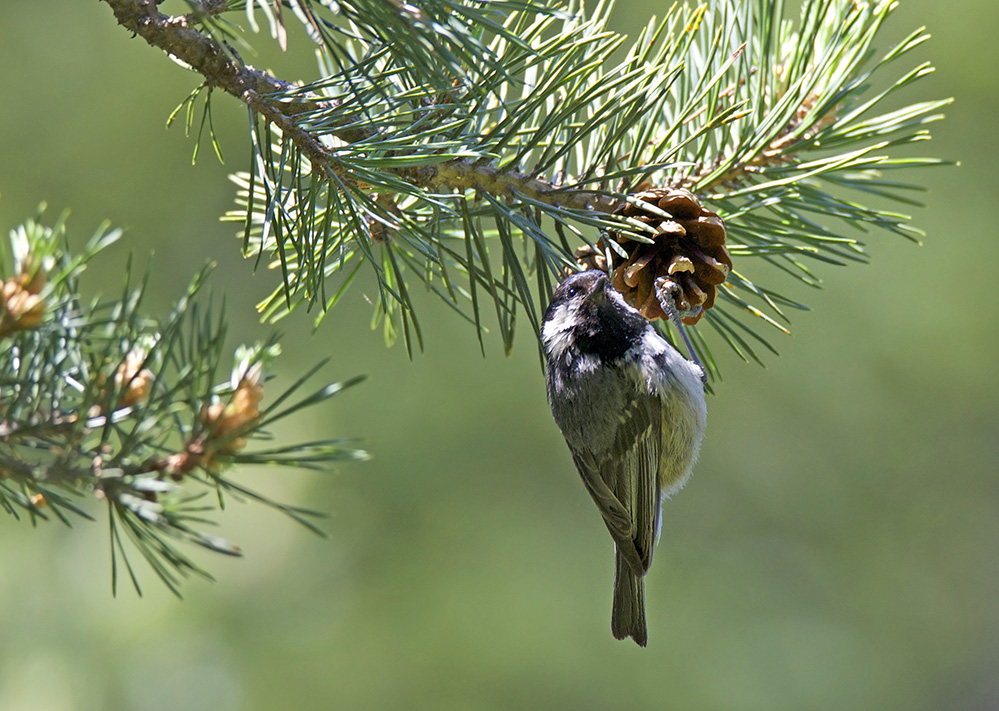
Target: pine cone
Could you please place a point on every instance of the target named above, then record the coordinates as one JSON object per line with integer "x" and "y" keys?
{"x": 689, "y": 250}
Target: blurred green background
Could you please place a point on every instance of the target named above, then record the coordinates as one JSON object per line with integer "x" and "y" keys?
{"x": 836, "y": 548}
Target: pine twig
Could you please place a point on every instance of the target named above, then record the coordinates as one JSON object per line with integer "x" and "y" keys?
{"x": 99, "y": 400}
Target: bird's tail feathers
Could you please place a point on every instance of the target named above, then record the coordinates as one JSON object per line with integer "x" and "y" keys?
{"x": 628, "y": 612}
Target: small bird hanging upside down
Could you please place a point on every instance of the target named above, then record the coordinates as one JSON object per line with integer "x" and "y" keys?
{"x": 632, "y": 411}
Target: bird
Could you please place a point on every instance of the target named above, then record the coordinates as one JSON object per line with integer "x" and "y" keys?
{"x": 632, "y": 411}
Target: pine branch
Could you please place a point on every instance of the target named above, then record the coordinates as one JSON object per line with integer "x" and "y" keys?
{"x": 98, "y": 400}
{"x": 482, "y": 148}
{"x": 220, "y": 66}
{"x": 280, "y": 102}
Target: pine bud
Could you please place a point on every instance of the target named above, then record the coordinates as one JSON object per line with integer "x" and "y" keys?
{"x": 20, "y": 310}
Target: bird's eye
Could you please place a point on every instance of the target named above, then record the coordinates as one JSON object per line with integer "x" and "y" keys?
{"x": 571, "y": 291}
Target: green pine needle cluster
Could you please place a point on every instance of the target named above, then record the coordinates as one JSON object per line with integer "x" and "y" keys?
{"x": 99, "y": 400}
{"x": 478, "y": 154}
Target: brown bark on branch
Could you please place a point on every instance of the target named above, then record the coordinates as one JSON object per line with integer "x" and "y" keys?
{"x": 265, "y": 94}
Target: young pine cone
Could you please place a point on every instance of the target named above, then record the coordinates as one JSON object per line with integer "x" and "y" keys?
{"x": 689, "y": 250}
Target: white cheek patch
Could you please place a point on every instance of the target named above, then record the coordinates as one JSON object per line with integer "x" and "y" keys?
{"x": 555, "y": 332}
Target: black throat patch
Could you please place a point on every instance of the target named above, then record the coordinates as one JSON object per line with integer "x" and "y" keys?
{"x": 608, "y": 332}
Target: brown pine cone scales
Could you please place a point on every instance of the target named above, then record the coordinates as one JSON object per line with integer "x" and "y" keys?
{"x": 688, "y": 250}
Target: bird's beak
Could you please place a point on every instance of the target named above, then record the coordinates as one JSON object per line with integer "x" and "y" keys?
{"x": 598, "y": 294}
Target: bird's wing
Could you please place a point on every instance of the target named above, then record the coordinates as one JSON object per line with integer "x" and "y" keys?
{"x": 625, "y": 484}
{"x": 637, "y": 450}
